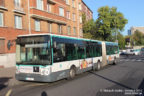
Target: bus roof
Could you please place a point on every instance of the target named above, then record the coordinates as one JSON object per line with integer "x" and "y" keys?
{"x": 60, "y": 36}
{"x": 111, "y": 43}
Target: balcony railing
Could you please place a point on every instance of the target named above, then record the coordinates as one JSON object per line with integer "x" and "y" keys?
{"x": 19, "y": 7}
{"x": 2, "y": 3}
{"x": 51, "y": 1}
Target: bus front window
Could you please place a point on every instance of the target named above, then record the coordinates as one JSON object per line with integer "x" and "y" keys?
{"x": 35, "y": 54}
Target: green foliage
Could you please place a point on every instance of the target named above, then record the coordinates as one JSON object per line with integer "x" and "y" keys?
{"x": 109, "y": 20}
{"x": 137, "y": 38}
{"x": 88, "y": 27}
{"x": 121, "y": 41}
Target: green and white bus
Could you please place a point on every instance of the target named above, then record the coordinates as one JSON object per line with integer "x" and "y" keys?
{"x": 48, "y": 58}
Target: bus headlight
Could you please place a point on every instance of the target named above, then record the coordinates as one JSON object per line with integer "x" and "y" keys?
{"x": 45, "y": 71}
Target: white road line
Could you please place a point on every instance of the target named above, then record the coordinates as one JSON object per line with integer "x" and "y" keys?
{"x": 127, "y": 60}
{"x": 9, "y": 92}
{"x": 139, "y": 60}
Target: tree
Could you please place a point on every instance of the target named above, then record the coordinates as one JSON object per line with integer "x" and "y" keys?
{"x": 137, "y": 38}
{"x": 121, "y": 40}
{"x": 108, "y": 21}
{"x": 88, "y": 27}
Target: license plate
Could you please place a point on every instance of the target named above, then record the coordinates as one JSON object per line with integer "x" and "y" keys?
{"x": 28, "y": 78}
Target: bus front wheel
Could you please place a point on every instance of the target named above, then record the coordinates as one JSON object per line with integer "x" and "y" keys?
{"x": 72, "y": 73}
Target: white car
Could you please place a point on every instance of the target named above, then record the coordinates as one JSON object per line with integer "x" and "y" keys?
{"x": 137, "y": 51}
{"x": 130, "y": 52}
{"x": 142, "y": 51}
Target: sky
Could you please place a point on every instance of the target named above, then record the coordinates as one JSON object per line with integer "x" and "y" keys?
{"x": 133, "y": 10}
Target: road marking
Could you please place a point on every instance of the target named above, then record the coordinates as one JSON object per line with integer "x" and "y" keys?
{"x": 9, "y": 92}
{"x": 139, "y": 60}
{"x": 121, "y": 60}
{"x": 127, "y": 60}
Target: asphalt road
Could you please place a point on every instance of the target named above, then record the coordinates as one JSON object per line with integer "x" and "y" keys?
{"x": 124, "y": 79}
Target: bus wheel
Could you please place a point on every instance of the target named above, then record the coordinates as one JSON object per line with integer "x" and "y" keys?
{"x": 98, "y": 66}
{"x": 72, "y": 73}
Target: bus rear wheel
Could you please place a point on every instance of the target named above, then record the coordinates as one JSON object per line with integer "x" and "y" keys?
{"x": 98, "y": 67}
{"x": 72, "y": 73}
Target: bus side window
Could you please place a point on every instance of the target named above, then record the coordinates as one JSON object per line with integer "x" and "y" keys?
{"x": 71, "y": 52}
{"x": 59, "y": 52}
{"x": 81, "y": 52}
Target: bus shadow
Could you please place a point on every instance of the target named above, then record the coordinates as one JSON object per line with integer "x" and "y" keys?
{"x": 141, "y": 87}
{"x": 3, "y": 81}
{"x": 115, "y": 82}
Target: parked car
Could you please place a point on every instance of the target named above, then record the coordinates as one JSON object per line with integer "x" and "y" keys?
{"x": 137, "y": 51}
{"x": 122, "y": 52}
{"x": 142, "y": 51}
{"x": 130, "y": 52}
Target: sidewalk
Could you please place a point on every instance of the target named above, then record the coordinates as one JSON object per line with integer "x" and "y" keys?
{"x": 7, "y": 76}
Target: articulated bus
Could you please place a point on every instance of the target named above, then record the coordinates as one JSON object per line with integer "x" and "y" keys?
{"x": 48, "y": 58}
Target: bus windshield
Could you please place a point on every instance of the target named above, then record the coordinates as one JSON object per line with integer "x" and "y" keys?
{"x": 33, "y": 53}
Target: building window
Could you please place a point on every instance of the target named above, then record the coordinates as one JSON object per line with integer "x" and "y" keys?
{"x": 74, "y": 30}
{"x": 68, "y": 15}
{"x": 69, "y": 30}
{"x": 39, "y": 4}
{"x": 73, "y": 3}
{"x": 49, "y": 7}
{"x": 74, "y": 17}
{"x": 18, "y": 22}
{"x": 80, "y": 7}
{"x": 67, "y": 2}
{"x": 1, "y": 19}
{"x": 60, "y": 29}
{"x": 17, "y": 3}
{"x": 37, "y": 25}
{"x": 50, "y": 27}
{"x": 80, "y": 19}
{"x": 61, "y": 11}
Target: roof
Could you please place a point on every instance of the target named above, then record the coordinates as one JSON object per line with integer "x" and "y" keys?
{"x": 87, "y": 6}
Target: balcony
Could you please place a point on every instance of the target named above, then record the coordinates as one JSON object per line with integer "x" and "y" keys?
{"x": 19, "y": 8}
{"x": 51, "y": 1}
{"x": 2, "y": 5}
{"x": 43, "y": 15}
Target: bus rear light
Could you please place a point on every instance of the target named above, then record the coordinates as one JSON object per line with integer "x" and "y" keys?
{"x": 17, "y": 70}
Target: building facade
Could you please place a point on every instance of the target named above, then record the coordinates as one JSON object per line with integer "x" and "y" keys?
{"x": 20, "y": 17}
{"x": 87, "y": 11}
{"x": 133, "y": 29}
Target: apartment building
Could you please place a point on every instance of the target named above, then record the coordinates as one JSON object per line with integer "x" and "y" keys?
{"x": 19, "y": 17}
{"x": 133, "y": 29}
{"x": 87, "y": 11}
